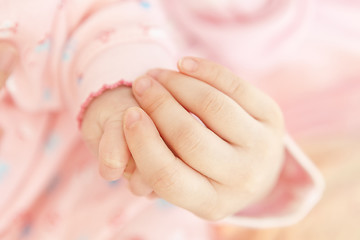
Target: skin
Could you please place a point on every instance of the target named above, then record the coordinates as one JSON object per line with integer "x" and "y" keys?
{"x": 8, "y": 57}
{"x": 214, "y": 168}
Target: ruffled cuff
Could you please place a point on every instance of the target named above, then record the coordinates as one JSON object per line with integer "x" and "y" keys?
{"x": 94, "y": 95}
{"x": 117, "y": 67}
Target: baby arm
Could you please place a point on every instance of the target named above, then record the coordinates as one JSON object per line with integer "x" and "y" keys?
{"x": 104, "y": 53}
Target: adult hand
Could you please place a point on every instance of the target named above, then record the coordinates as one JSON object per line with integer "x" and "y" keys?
{"x": 212, "y": 169}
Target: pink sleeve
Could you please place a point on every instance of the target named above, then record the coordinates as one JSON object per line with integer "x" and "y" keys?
{"x": 112, "y": 43}
{"x": 298, "y": 189}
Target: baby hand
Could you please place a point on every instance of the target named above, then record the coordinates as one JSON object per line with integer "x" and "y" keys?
{"x": 215, "y": 169}
{"x": 103, "y": 132}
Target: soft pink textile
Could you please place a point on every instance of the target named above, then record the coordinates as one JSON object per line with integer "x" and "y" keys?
{"x": 305, "y": 53}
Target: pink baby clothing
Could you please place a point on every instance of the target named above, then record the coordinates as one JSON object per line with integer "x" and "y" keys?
{"x": 71, "y": 50}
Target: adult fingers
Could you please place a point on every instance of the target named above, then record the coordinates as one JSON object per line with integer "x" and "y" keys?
{"x": 8, "y": 57}
{"x": 188, "y": 138}
{"x": 170, "y": 177}
{"x": 218, "y": 111}
{"x": 254, "y": 101}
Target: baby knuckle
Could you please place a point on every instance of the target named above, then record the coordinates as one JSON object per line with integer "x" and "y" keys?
{"x": 114, "y": 123}
{"x": 89, "y": 133}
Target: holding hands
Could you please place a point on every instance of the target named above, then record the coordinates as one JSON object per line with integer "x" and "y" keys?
{"x": 214, "y": 168}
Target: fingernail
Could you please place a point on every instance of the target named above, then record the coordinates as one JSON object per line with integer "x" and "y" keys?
{"x": 132, "y": 117}
{"x": 188, "y": 64}
{"x": 141, "y": 85}
{"x": 154, "y": 73}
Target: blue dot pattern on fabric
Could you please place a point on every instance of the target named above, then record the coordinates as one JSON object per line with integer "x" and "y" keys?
{"x": 66, "y": 56}
{"x": 69, "y": 48}
{"x": 161, "y": 203}
{"x": 114, "y": 183}
{"x": 26, "y": 230}
{"x": 4, "y": 169}
{"x": 79, "y": 80}
{"x": 44, "y": 46}
{"x": 52, "y": 142}
{"x": 47, "y": 94}
{"x": 145, "y": 4}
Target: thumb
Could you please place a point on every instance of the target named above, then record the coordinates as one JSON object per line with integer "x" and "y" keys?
{"x": 102, "y": 130}
{"x": 8, "y": 55}
{"x": 113, "y": 151}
